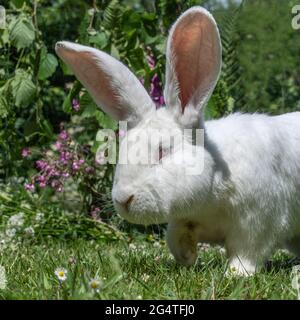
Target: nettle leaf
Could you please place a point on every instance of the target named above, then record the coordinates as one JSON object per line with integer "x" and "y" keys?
{"x": 22, "y": 87}
{"x": 91, "y": 110}
{"x": 48, "y": 65}
{"x": 106, "y": 121}
{"x": 100, "y": 40}
{"x": 3, "y": 107}
{"x": 88, "y": 106}
{"x": 21, "y": 32}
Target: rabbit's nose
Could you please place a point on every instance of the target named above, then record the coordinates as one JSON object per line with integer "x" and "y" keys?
{"x": 125, "y": 204}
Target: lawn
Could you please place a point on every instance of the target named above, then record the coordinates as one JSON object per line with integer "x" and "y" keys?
{"x": 141, "y": 269}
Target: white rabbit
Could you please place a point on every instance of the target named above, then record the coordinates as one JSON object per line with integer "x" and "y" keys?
{"x": 247, "y": 196}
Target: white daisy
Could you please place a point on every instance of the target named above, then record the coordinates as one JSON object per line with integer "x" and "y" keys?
{"x": 132, "y": 247}
{"x": 16, "y": 220}
{"x": 145, "y": 277}
{"x": 10, "y": 232}
{"x": 61, "y": 274}
{"x": 95, "y": 284}
{"x": 39, "y": 216}
{"x": 29, "y": 231}
{"x": 156, "y": 244}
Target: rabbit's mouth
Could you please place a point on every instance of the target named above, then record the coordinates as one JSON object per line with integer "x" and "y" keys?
{"x": 141, "y": 211}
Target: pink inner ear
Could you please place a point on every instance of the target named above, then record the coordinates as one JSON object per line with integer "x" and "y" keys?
{"x": 88, "y": 70}
{"x": 195, "y": 47}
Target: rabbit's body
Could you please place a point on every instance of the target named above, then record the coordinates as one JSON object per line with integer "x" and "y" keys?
{"x": 241, "y": 188}
{"x": 252, "y": 202}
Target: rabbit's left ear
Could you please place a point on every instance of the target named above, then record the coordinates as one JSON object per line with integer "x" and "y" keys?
{"x": 113, "y": 86}
{"x": 194, "y": 58}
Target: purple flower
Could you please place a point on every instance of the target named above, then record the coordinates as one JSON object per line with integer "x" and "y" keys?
{"x": 89, "y": 169}
{"x": 41, "y": 179}
{"x": 58, "y": 145}
{"x": 25, "y": 152}
{"x": 76, "y": 164}
{"x": 41, "y": 164}
{"x": 64, "y": 135}
{"x": 95, "y": 212}
{"x": 75, "y": 105}
{"x": 66, "y": 174}
{"x": 42, "y": 184}
{"x": 151, "y": 61}
{"x": 65, "y": 156}
{"x": 156, "y": 91}
{"x": 29, "y": 186}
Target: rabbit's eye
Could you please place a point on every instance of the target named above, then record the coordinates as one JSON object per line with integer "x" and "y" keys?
{"x": 162, "y": 152}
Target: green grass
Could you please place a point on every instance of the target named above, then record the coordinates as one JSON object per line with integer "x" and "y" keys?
{"x": 145, "y": 272}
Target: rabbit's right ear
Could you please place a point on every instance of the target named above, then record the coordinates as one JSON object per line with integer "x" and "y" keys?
{"x": 112, "y": 85}
{"x": 194, "y": 57}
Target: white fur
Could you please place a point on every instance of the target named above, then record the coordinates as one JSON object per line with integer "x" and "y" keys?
{"x": 248, "y": 196}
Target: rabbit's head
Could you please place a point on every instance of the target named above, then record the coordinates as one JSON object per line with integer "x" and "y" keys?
{"x": 151, "y": 179}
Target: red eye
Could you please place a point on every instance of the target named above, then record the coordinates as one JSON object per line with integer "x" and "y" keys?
{"x": 160, "y": 153}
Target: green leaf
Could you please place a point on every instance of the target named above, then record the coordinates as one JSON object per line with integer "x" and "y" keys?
{"x": 48, "y": 65}
{"x": 66, "y": 70}
{"x": 91, "y": 110}
{"x": 100, "y": 40}
{"x": 4, "y": 37}
{"x": 115, "y": 52}
{"x": 88, "y": 106}
{"x": 106, "y": 121}
{"x": 3, "y": 107}
{"x": 74, "y": 92}
{"x": 22, "y": 87}
{"x": 47, "y": 285}
{"x": 21, "y": 32}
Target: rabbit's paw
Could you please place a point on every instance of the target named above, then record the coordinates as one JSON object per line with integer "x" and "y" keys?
{"x": 185, "y": 257}
{"x": 182, "y": 243}
{"x": 240, "y": 267}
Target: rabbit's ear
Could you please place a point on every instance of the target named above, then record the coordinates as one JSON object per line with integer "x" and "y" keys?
{"x": 194, "y": 57}
{"x": 114, "y": 88}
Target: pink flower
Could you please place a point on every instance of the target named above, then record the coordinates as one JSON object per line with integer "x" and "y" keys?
{"x": 95, "y": 212}
{"x": 25, "y": 152}
{"x": 75, "y": 166}
{"x": 58, "y": 145}
{"x": 66, "y": 174}
{"x": 151, "y": 61}
{"x": 29, "y": 186}
{"x": 64, "y": 135}
{"x": 42, "y": 184}
{"x": 41, "y": 164}
{"x": 75, "y": 105}
{"x": 156, "y": 91}
{"x": 89, "y": 169}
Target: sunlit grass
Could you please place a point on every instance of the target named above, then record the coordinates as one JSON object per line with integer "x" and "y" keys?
{"x": 143, "y": 270}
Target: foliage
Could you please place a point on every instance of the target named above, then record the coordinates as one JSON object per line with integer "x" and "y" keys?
{"x": 39, "y": 94}
{"x": 25, "y": 217}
